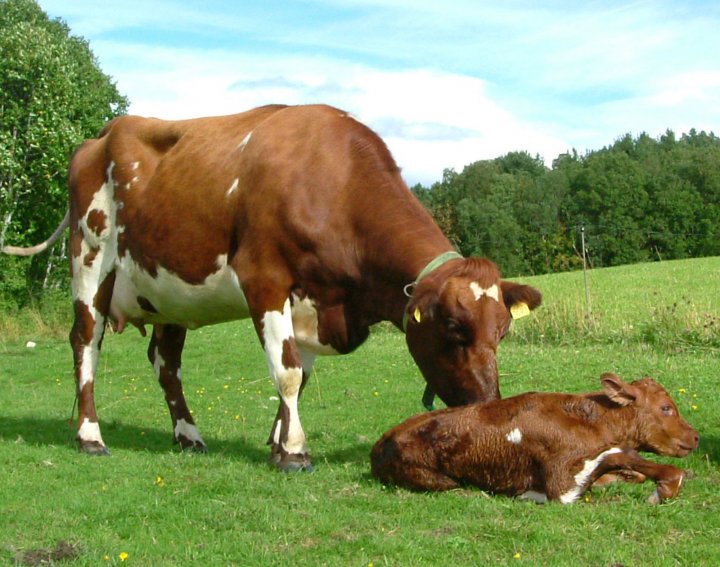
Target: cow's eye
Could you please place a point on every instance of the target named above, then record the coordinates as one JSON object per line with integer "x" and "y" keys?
{"x": 667, "y": 410}
{"x": 456, "y": 332}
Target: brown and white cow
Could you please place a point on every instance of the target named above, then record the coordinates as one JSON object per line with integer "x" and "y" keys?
{"x": 294, "y": 216}
{"x": 541, "y": 446}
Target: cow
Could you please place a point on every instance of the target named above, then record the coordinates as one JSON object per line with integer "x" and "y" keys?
{"x": 294, "y": 216}
{"x": 541, "y": 446}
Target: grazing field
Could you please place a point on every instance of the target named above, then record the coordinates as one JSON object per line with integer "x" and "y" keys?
{"x": 149, "y": 504}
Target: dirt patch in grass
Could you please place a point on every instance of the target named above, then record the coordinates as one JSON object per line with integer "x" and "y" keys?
{"x": 63, "y": 551}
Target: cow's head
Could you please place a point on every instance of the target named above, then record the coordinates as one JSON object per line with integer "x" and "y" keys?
{"x": 660, "y": 429}
{"x": 457, "y": 315}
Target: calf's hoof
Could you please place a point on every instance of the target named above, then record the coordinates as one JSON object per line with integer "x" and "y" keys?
{"x": 667, "y": 488}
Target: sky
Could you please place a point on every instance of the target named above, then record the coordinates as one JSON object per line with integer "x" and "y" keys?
{"x": 445, "y": 83}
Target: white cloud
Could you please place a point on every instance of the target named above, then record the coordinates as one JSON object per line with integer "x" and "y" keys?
{"x": 445, "y": 85}
{"x": 431, "y": 120}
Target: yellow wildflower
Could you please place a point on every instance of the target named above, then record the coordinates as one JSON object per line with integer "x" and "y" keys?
{"x": 123, "y": 556}
{"x": 160, "y": 481}
{"x": 517, "y": 555}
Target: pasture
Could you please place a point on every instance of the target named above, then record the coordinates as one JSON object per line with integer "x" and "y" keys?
{"x": 149, "y": 504}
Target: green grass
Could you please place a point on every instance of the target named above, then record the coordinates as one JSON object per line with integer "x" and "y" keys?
{"x": 673, "y": 305}
{"x": 162, "y": 507}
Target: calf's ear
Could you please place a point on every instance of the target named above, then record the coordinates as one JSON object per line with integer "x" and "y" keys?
{"x": 617, "y": 390}
{"x": 520, "y": 299}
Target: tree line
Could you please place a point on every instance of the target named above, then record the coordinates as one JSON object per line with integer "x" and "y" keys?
{"x": 638, "y": 199}
{"x": 53, "y": 95}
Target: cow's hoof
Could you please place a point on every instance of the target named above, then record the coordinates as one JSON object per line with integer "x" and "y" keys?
{"x": 290, "y": 463}
{"x": 94, "y": 448}
{"x": 190, "y": 447}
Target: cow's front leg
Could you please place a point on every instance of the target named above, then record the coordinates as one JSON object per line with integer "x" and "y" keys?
{"x": 275, "y": 452}
{"x": 165, "y": 354}
{"x": 289, "y": 451}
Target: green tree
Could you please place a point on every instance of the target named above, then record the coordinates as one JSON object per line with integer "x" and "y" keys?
{"x": 52, "y": 96}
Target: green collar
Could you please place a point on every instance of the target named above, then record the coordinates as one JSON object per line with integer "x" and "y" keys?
{"x": 432, "y": 265}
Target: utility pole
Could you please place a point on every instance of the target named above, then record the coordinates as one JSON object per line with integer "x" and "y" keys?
{"x": 587, "y": 291}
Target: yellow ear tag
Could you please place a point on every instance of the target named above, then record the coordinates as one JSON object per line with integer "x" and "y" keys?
{"x": 519, "y": 310}
{"x": 417, "y": 315}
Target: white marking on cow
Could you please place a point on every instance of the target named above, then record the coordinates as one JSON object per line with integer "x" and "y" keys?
{"x": 582, "y": 477}
{"x": 537, "y": 497}
{"x": 90, "y": 431}
{"x": 278, "y": 328}
{"x": 233, "y": 187}
{"x": 305, "y": 325}
{"x": 515, "y": 436}
{"x": 189, "y": 431}
{"x": 218, "y": 298}
{"x": 158, "y": 362}
{"x": 88, "y": 362}
{"x": 479, "y": 292}
{"x": 103, "y": 246}
{"x": 245, "y": 141}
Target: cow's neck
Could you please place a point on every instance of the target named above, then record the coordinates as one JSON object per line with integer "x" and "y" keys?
{"x": 394, "y": 258}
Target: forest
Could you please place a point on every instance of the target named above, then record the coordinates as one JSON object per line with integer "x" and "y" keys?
{"x": 638, "y": 199}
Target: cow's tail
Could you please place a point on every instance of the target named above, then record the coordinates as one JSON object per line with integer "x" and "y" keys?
{"x": 32, "y": 250}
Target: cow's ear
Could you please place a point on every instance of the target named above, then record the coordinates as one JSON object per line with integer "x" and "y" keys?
{"x": 520, "y": 299}
{"x": 617, "y": 390}
{"x": 422, "y": 307}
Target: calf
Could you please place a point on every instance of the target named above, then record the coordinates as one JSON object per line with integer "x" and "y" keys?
{"x": 542, "y": 446}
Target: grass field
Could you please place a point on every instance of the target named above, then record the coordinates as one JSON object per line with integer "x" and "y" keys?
{"x": 149, "y": 504}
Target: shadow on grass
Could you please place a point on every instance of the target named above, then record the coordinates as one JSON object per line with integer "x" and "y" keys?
{"x": 118, "y": 435}
{"x": 710, "y": 446}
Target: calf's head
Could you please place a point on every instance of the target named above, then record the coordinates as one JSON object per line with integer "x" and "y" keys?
{"x": 660, "y": 429}
{"x": 457, "y": 315}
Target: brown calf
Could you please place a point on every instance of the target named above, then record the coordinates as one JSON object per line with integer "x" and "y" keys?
{"x": 542, "y": 446}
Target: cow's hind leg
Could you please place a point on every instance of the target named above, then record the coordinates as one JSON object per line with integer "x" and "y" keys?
{"x": 165, "y": 353}
{"x": 86, "y": 340}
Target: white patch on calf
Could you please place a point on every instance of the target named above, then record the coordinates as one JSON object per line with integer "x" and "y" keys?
{"x": 479, "y": 292}
{"x": 581, "y": 478}
{"x": 90, "y": 431}
{"x": 189, "y": 431}
{"x": 515, "y": 436}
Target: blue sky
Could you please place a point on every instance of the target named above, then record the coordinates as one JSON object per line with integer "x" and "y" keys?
{"x": 444, "y": 83}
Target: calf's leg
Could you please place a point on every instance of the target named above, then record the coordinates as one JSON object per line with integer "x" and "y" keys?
{"x": 668, "y": 479}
